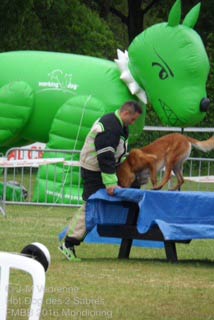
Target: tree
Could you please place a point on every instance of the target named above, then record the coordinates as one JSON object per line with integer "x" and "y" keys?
{"x": 131, "y": 13}
{"x": 63, "y": 26}
{"x": 19, "y": 26}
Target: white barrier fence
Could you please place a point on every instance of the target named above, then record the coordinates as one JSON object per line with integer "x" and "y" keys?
{"x": 20, "y": 181}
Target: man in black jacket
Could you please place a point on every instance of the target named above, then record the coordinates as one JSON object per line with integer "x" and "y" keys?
{"x": 104, "y": 149}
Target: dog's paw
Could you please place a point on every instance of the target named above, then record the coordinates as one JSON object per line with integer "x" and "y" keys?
{"x": 157, "y": 188}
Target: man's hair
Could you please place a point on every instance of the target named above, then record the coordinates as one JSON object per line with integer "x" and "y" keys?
{"x": 132, "y": 107}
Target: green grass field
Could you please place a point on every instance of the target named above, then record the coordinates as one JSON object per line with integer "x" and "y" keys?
{"x": 101, "y": 286}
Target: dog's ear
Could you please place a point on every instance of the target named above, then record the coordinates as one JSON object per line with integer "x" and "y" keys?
{"x": 134, "y": 157}
{"x": 148, "y": 157}
{"x": 140, "y": 160}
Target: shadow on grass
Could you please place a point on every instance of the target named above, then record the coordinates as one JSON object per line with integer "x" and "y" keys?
{"x": 196, "y": 262}
{"x": 192, "y": 262}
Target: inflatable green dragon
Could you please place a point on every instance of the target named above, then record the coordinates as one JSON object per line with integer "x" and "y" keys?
{"x": 55, "y": 98}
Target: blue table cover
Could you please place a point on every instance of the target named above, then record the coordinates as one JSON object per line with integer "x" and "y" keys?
{"x": 179, "y": 215}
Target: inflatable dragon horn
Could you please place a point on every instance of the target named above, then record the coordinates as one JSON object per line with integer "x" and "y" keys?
{"x": 168, "y": 65}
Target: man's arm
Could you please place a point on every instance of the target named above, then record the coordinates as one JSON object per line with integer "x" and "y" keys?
{"x": 106, "y": 144}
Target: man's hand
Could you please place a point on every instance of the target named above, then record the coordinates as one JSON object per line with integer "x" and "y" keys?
{"x": 110, "y": 190}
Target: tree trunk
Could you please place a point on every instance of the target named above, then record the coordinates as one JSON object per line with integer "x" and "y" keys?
{"x": 135, "y": 18}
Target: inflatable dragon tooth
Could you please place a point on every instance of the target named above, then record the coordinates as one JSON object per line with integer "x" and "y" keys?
{"x": 55, "y": 98}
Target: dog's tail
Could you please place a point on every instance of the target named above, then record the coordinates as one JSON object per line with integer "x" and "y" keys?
{"x": 205, "y": 146}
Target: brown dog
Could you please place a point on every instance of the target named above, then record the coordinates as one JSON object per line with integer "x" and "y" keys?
{"x": 169, "y": 151}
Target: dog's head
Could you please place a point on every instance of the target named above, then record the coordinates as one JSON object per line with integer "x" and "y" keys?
{"x": 136, "y": 162}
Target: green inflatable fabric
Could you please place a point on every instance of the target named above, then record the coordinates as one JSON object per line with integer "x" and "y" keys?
{"x": 170, "y": 62}
{"x": 42, "y": 91}
{"x": 54, "y": 97}
{"x": 14, "y": 191}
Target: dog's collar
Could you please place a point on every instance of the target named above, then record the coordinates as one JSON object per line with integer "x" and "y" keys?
{"x": 122, "y": 62}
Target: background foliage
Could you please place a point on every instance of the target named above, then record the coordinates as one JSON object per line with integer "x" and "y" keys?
{"x": 96, "y": 28}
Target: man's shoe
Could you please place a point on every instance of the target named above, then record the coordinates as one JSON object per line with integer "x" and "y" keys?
{"x": 69, "y": 253}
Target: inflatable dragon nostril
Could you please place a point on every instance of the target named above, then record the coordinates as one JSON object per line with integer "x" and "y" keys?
{"x": 204, "y": 105}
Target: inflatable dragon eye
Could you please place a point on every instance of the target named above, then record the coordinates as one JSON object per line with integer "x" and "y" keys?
{"x": 169, "y": 63}
{"x": 164, "y": 70}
